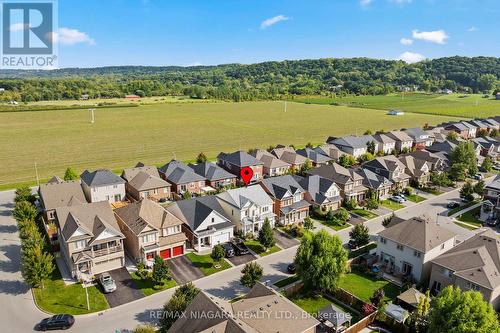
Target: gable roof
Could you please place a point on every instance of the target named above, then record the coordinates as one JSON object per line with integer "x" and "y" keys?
{"x": 414, "y": 166}
{"x": 269, "y": 160}
{"x": 59, "y": 194}
{"x": 129, "y": 174}
{"x": 425, "y": 155}
{"x": 317, "y": 187}
{"x": 289, "y": 155}
{"x": 282, "y": 186}
{"x": 418, "y": 233}
{"x": 495, "y": 184}
{"x": 353, "y": 141}
{"x": 211, "y": 171}
{"x": 372, "y": 180}
{"x": 179, "y": 173}
{"x": 335, "y": 172}
{"x": 100, "y": 177}
{"x": 383, "y": 138}
{"x": 389, "y": 162}
{"x": 313, "y": 155}
{"x": 144, "y": 181}
{"x": 416, "y": 133}
{"x": 399, "y": 136}
{"x": 239, "y": 158}
{"x": 238, "y": 197}
{"x": 446, "y": 146}
{"x": 329, "y": 150}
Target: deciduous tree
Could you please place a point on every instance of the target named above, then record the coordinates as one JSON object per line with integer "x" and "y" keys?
{"x": 251, "y": 274}
{"x": 360, "y": 234}
{"x": 70, "y": 174}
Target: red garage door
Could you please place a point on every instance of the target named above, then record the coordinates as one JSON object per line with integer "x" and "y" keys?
{"x": 178, "y": 250}
{"x": 165, "y": 254}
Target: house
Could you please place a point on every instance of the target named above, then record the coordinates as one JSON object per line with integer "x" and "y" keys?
{"x": 238, "y": 160}
{"x": 290, "y": 156}
{"x": 459, "y": 128}
{"x": 182, "y": 178}
{"x": 444, "y": 147}
{"x": 59, "y": 193}
{"x": 354, "y": 145}
{"x": 150, "y": 231}
{"x": 247, "y": 208}
{"x": 406, "y": 249}
{"x": 386, "y": 144}
{"x": 490, "y": 207}
{"x": 102, "y": 185}
{"x": 215, "y": 176}
{"x": 391, "y": 168}
{"x": 272, "y": 166}
{"x": 350, "y": 182}
{"x": 289, "y": 199}
{"x": 145, "y": 182}
{"x": 488, "y": 146}
{"x": 321, "y": 192}
{"x": 403, "y": 141}
{"x": 480, "y": 125}
{"x": 330, "y": 150}
{"x": 436, "y": 163}
{"x": 378, "y": 184}
{"x": 204, "y": 222}
{"x": 419, "y": 170}
{"x": 90, "y": 239}
{"x": 315, "y": 157}
{"x": 473, "y": 264}
{"x": 472, "y": 129}
{"x": 421, "y": 138}
{"x": 262, "y": 310}
{"x": 493, "y": 123}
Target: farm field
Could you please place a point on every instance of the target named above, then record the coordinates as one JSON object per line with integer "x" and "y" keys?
{"x": 156, "y": 133}
{"x": 470, "y": 106}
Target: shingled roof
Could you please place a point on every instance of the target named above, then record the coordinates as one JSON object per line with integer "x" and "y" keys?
{"x": 239, "y": 158}
{"x": 100, "y": 177}
{"x": 211, "y": 171}
{"x": 60, "y": 193}
{"x": 179, "y": 173}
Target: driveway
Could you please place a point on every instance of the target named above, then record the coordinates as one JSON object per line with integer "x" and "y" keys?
{"x": 183, "y": 270}
{"x": 240, "y": 260}
{"x": 356, "y": 219}
{"x": 283, "y": 240}
{"x": 126, "y": 290}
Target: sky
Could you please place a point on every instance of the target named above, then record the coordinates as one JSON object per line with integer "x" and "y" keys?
{"x": 96, "y": 33}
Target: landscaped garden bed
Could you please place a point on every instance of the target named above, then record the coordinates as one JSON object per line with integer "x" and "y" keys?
{"x": 206, "y": 264}
{"x": 364, "y": 213}
{"x": 256, "y": 247}
{"x": 392, "y": 205}
{"x": 148, "y": 287}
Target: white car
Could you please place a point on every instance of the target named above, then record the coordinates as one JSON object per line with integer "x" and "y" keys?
{"x": 397, "y": 198}
{"x": 107, "y": 283}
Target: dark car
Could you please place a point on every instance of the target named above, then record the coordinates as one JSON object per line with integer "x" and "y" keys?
{"x": 291, "y": 268}
{"x": 352, "y": 244}
{"x": 228, "y": 249}
{"x": 57, "y": 322}
{"x": 452, "y": 205}
{"x": 239, "y": 247}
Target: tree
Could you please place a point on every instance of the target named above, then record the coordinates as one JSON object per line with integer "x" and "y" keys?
{"x": 465, "y": 154}
{"x": 70, "y": 174}
{"x": 321, "y": 260}
{"x": 479, "y": 187}
{"x": 309, "y": 145}
{"x": 23, "y": 193}
{"x": 306, "y": 166}
{"x": 487, "y": 164}
{"x": 266, "y": 236}
{"x": 452, "y": 136}
{"x": 24, "y": 211}
{"x": 377, "y": 297}
{"x": 462, "y": 312}
{"x": 368, "y": 132}
{"x": 218, "y": 253}
{"x": 467, "y": 191}
{"x": 308, "y": 223}
{"x": 370, "y": 147}
{"x": 251, "y": 274}
{"x": 201, "y": 158}
{"x": 161, "y": 271}
{"x": 494, "y": 133}
{"x": 366, "y": 157}
{"x": 458, "y": 171}
{"x": 486, "y": 83}
{"x": 144, "y": 329}
{"x": 440, "y": 179}
{"x": 360, "y": 234}
{"x": 351, "y": 204}
{"x": 36, "y": 265}
{"x": 342, "y": 214}
{"x": 481, "y": 133}
{"x": 330, "y": 215}
{"x": 177, "y": 304}
{"x": 186, "y": 195}
{"x": 347, "y": 161}
{"x": 372, "y": 202}
{"x": 420, "y": 314}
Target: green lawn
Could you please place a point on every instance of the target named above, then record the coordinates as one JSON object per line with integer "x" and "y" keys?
{"x": 310, "y": 302}
{"x": 392, "y": 205}
{"x": 206, "y": 264}
{"x": 362, "y": 250}
{"x": 332, "y": 225}
{"x": 148, "y": 287}
{"x": 414, "y": 198}
{"x": 466, "y": 226}
{"x": 470, "y": 217}
{"x": 287, "y": 281}
{"x": 363, "y": 286}
{"x": 431, "y": 190}
{"x": 256, "y": 247}
{"x": 56, "y": 297}
{"x": 364, "y": 213}
{"x": 61, "y": 138}
{"x": 462, "y": 207}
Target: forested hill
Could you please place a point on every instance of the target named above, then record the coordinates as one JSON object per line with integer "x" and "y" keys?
{"x": 267, "y": 80}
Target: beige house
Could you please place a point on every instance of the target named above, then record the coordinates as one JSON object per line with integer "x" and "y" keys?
{"x": 90, "y": 239}
{"x": 59, "y": 193}
{"x": 150, "y": 230}
{"x": 472, "y": 265}
{"x": 145, "y": 182}
{"x": 272, "y": 165}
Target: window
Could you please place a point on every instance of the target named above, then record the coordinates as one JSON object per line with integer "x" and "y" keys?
{"x": 446, "y": 272}
{"x": 442, "y": 246}
{"x": 383, "y": 240}
{"x": 417, "y": 254}
{"x": 400, "y": 247}
{"x": 148, "y": 238}
{"x": 115, "y": 186}
{"x": 80, "y": 244}
{"x": 472, "y": 286}
{"x": 213, "y": 220}
{"x": 94, "y": 189}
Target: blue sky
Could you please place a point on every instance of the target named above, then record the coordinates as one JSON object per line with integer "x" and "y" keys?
{"x": 187, "y": 32}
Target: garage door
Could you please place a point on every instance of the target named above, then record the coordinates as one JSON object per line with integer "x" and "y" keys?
{"x": 219, "y": 239}
{"x": 178, "y": 250}
{"x": 107, "y": 265}
{"x": 165, "y": 254}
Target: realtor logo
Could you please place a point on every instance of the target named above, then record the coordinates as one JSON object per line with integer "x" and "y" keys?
{"x": 28, "y": 34}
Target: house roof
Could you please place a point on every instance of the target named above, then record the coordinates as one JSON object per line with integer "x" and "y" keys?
{"x": 282, "y": 186}
{"x": 269, "y": 160}
{"x": 476, "y": 259}
{"x": 238, "y": 197}
{"x": 372, "y": 180}
{"x": 425, "y": 156}
{"x": 416, "y": 133}
{"x": 129, "y": 174}
{"x": 61, "y": 193}
{"x": 389, "y": 162}
{"x": 399, "y": 136}
{"x": 100, "y": 177}
{"x": 317, "y": 187}
{"x": 479, "y": 123}
{"x": 313, "y": 155}
{"x": 459, "y": 126}
{"x": 289, "y": 155}
{"x": 179, "y": 173}
{"x": 353, "y": 141}
{"x": 143, "y": 181}
{"x": 492, "y": 122}
{"x": 335, "y": 172}
{"x": 446, "y": 146}
{"x": 411, "y": 297}
{"x": 418, "y": 233}
{"x": 495, "y": 184}
{"x": 239, "y": 158}
{"x": 414, "y": 167}
{"x": 329, "y": 150}
{"x": 211, "y": 171}
{"x": 383, "y": 138}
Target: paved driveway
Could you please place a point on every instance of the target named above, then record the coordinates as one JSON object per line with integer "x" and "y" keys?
{"x": 183, "y": 270}
{"x": 356, "y": 219}
{"x": 240, "y": 260}
{"x": 126, "y": 290}
{"x": 283, "y": 240}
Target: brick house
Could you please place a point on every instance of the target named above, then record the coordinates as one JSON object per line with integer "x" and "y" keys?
{"x": 182, "y": 178}
{"x": 145, "y": 182}
{"x": 216, "y": 176}
{"x": 236, "y": 161}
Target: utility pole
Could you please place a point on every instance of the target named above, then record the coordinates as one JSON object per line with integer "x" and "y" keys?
{"x": 285, "y": 106}
{"x": 92, "y": 119}
{"x": 87, "y": 296}
{"x": 36, "y": 173}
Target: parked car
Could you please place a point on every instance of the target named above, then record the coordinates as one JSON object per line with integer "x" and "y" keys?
{"x": 397, "y": 198}
{"x": 478, "y": 176}
{"x": 57, "y": 322}
{"x": 228, "y": 249}
{"x": 291, "y": 268}
{"x": 352, "y": 244}
{"x": 239, "y": 247}
{"x": 452, "y": 205}
{"x": 496, "y": 167}
{"x": 107, "y": 283}
{"x": 163, "y": 200}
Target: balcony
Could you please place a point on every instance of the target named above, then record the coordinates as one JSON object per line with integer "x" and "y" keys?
{"x": 105, "y": 251}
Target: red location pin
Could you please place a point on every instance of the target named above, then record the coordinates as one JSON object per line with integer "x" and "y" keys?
{"x": 246, "y": 174}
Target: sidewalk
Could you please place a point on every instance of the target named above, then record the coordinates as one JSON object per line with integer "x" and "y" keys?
{"x": 465, "y": 210}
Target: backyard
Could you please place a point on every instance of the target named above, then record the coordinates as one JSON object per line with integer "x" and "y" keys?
{"x": 363, "y": 286}
{"x": 206, "y": 264}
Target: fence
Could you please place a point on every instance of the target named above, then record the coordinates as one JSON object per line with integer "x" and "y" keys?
{"x": 360, "y": 325}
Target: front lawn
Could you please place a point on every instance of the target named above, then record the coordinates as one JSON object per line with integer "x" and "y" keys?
{"x": 431, "y": 190}
{"x": 332, "y": 224}
{"x": 363, "y": 286}
{"x": 287, "y": 281}
{"x": 415, "y": 198}
{"x": 256, "y": 247}
{"x": 364, "y": 213}
{"x": 392, "y": 205}
{"x": 148, "y": 287}
{"x": 471, "y": 217}
{"x": 461, "y": 207}
{"x": 206, "y": 264}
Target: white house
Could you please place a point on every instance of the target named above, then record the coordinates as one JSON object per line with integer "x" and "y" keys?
{"x": 102, "y": 185}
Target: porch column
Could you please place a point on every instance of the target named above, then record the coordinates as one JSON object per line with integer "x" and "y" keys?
{"x": 199, "y": 245}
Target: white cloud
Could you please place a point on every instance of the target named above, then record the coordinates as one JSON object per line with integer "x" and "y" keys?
{"x": 411, "y": 57}
{"x": 437, "y": 36}
{"x": 472, "y": 29}
{"x": 67, "y": 36}
{"x": 273, "y": 20}
{"x": 406, "y": 41}
{"x": 365, "y": 3}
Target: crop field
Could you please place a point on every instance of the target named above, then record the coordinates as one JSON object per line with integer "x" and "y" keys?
{"x": 470, "y": 106}
{"x": 156, "y": 133}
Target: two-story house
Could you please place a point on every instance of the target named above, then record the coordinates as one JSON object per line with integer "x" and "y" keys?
{"x": 354, "y": 145}
{"x": 490, "y": 207}
{"x": 350, "y": 183}
{"x": 321, "y": 192}
{"x": 436, "y": 162}
{"x": 90, "y": 239}
{"x": 247, "y": 208}
{"x": 216, "y": 176}
{"x": 317, "y": 159}
{"x": 290, "y": 156}
{"x": 419, "y": 170}
{"x": 150, "y": 231}
{"x": 492, "y": 123}
{"x": 421, "y": 138}
{"x": 238, "y": 160}
{"x": 145, "y": 182}
{"x": 289, "y": 199}
{"x": 182, "y": 178}
{"x": 272, "y": 166}
{"x": 330, "y": 150}
{"x": 59, "y": 193}
{"x": 404, "y": 142}
{"x": 386, "y": 144}
{"x": 102, "y": 185}
{"x": 377, "y": 184}
{"x": 473, "y": 264}
{"x": 406, "y": 249}
{"x": 488, "y": 146}
{"x": 459, "y": 128}
{"x": 391, "y": 168}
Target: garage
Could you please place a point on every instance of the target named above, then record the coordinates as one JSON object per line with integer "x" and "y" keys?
{"x": 165, "y": 254}
{"x": 178, "y": 250}
{"x": 107, "y": 265}
{"x": 220, "y": 239}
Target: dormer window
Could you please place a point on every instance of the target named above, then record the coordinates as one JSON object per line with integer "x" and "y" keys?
{"x": 213, "y": 220}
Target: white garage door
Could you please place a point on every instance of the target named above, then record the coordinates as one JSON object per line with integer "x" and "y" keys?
{"x": 222, "y": 238}
{"x": 107, "y": 265}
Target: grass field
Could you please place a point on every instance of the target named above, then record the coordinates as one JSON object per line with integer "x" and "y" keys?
{"x": 154, "y": 134}
{"x": 470, "y": 106}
